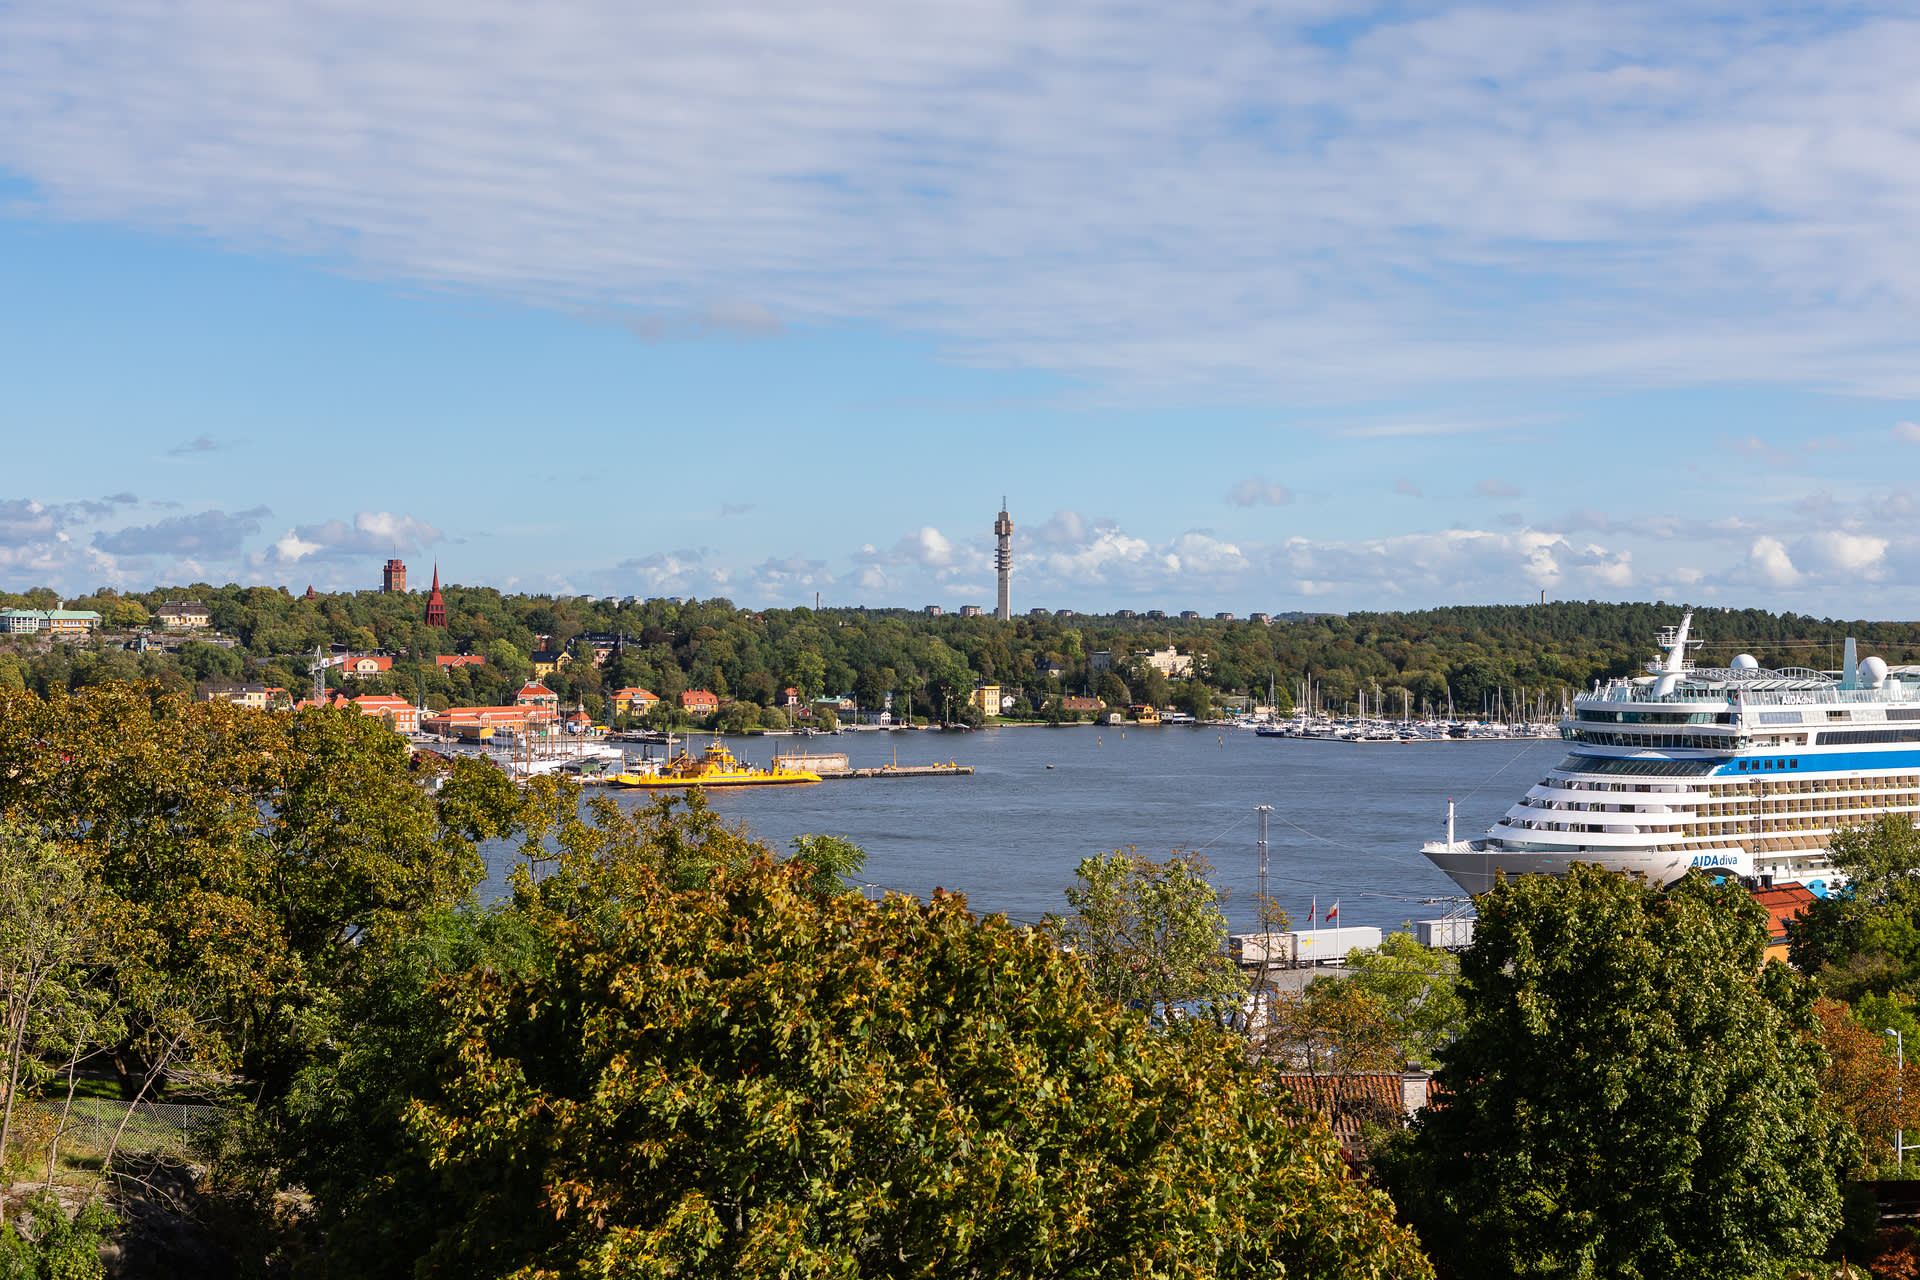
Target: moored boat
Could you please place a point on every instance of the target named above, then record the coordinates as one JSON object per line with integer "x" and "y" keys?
{"x": 714, "y": 767}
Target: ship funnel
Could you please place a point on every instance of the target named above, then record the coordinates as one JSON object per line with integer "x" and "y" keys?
{"x": 1850, "y": 667}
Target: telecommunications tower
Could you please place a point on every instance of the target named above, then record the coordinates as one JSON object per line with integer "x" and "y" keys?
{"x": 1003, "y": 561}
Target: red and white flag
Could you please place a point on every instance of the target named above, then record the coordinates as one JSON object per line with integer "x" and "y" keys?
{"x": 1313, "y": 910}
{"x": 1333, "y": 912}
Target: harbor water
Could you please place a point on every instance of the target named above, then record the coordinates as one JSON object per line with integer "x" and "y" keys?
{"x": 1347, "y": 823}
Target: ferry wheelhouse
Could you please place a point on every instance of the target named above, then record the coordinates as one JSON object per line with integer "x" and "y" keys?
{"x": 1741, "y": 770}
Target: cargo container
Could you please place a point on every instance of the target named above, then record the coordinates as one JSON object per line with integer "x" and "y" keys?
{"x": 1453, "y": 932}
{"x": 1254, "y": 949}
{"x": 1329, "y": 946}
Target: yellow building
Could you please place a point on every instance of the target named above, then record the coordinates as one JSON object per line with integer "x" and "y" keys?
{"x": 987, "y": 698}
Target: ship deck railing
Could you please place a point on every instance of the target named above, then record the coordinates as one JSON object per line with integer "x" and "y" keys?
{"x": 1752, "y": 697}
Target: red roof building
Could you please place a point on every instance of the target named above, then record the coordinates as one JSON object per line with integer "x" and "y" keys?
{"x": 699, "y": 702}
{"x": 1783, "y": 902}
{"x": 448, "y": 660}
{"x": 538, "y": 699}
{"x": 633, "y": 700}
{"x": 401, "y": 714}
{"x": 366, "y": 664}
{"x": 436, "y": 606}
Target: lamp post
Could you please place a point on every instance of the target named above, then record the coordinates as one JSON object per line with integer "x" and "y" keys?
{"x": 1900, "y": 1101}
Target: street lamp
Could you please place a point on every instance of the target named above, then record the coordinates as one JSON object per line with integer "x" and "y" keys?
{"x": 1899, "y": 1096}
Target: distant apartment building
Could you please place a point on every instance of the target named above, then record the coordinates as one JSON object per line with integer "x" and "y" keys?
{"x": 971, "y": 611}
{"x": 1038, "y": 613}
{"x": 1123, "y": 613}
{"x": 1064, "y": 613}
{"x": 1156, "y": 613}
{"x": 932, "y": 611}
{"x": 1223, "y": 617}
{"x": 1189, "y": 614}
{"x": 393, "y": 578}
{"x": 183, "y": 615}
{"x": 1260, "y": 619}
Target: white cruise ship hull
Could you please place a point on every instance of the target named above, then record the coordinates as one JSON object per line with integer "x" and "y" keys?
{"x": 1476, "y": 868}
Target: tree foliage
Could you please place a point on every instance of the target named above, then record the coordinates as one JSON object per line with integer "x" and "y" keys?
{"x": 753, "y": 1079}
{"x": 1150, "y": 934}
{"x": 1631, "y": 1093}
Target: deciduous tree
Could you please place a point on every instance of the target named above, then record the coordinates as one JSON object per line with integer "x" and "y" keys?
{"x": 1150, "y": 934}
{"x": 1633, "y": 1092}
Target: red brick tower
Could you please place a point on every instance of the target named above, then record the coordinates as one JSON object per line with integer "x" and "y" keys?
{"x": 436, "y": 607}
{"x": 394, "y": 578}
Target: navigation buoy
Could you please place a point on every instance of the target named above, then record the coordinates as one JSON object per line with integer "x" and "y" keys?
{"x": 1049, "y": 766}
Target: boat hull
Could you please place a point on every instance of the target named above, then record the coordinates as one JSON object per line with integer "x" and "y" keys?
{"x": 640, "y": 783}
{"x": 1476, "y": 869}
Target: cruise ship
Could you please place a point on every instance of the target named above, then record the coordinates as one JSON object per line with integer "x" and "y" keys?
{"x": 1738, "y": 769}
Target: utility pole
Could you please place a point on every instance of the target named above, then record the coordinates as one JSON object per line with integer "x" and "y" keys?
{"x": 1900, "y": 1101}
{"x": 1260, "y": 883}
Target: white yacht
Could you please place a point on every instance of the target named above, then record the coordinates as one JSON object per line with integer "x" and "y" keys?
{"x": 1738, "y": 769}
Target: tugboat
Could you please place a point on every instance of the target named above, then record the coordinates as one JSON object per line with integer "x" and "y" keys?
{"x": 714, "y": 767}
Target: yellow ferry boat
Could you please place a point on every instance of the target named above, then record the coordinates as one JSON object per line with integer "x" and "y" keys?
{"x": 714, "y": 767}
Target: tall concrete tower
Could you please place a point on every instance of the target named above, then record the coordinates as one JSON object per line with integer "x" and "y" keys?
{"x": 1003, "y": 561}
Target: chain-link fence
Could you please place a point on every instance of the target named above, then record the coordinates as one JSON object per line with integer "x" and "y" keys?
{"x": 157, "y": 1127}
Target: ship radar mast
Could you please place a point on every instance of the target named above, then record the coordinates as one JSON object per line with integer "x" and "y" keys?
{"x": 1674, "y": 640}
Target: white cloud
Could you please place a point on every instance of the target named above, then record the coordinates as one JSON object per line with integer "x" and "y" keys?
{"x": 369, "y": 535}
{"x": 1448, "y": 194}
{"x": 1908, "y": 431}
{"x": 1768, "y": 564}
{"x": 1850, "y": 554}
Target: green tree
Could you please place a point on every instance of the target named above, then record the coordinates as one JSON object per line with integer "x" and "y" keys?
{"x": 1631, "y": 1093}
{"x": 1195, "y": 699}
{"x": 832, "y": 859}
{"x": 1113, "y": 690}
{"x": 1865, "y": 941}
{"x": 1415, "y": 989}
{"x": 1150, "y": 934}
{"x": 752, "y": 1079}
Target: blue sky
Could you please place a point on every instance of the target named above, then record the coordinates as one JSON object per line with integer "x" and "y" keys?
{"x": 1336, "y": 306}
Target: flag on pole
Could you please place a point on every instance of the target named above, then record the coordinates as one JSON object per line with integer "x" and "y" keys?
{"x": 1313, "y": 910}
{"x": 1333, "y": 912}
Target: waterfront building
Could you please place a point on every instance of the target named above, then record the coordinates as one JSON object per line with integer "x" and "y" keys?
{"x": 633, "y": 701}
{"x": 537, "y": 698}
{"x": 987, "y": 698}
{"x": 397, "y": 713}
{"x": 698, "y": 702}
{"x": 1077, "y": 703}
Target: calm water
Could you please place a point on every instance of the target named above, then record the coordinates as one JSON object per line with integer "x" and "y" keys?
{"x": 1347, "y": 820}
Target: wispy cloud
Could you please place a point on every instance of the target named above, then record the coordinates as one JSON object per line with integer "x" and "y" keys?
{"x": 198, "y": 445}
{"x": 1229, "y": 207}
{"x": 1495, "y": 488}
{"x": 1259, "y": 492}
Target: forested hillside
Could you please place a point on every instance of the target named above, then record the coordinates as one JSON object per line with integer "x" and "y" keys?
{"x": 1471, "y": 654}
